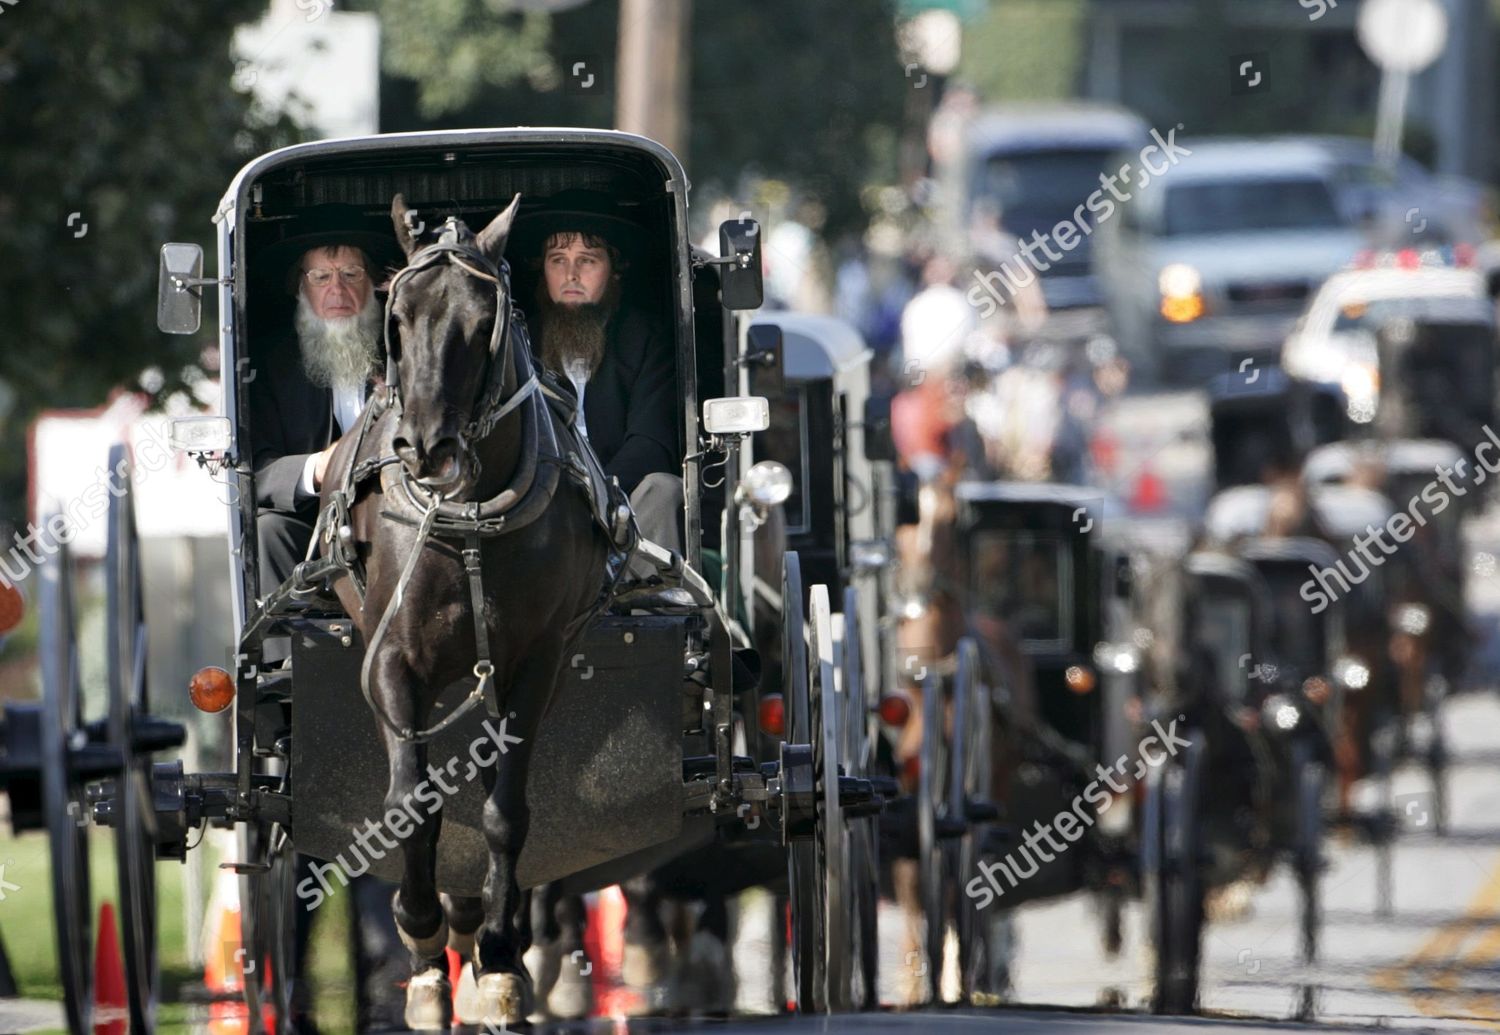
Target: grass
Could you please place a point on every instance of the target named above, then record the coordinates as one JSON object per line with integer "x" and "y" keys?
{"x": 26, "y": 925}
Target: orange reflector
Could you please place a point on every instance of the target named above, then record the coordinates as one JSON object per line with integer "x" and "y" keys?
{"x": 894, "y": 710}
{"x": 1080, "y": 680}
{"x": 773, "y": 714}
{"x": 12, "y": 607}
{"x": 1182, "y": 308}
{"x": 1316, "y": 689}
{"x": 211, "y": 689}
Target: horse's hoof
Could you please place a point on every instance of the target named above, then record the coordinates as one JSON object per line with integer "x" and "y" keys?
{"x": 542, "y": 962}
{"x": 571, "y": 997}
{"x": 429, "y": 1001}
{"x": 466, "y": 1008}
{"x": 642, "y": 966}
{"x": 503, "y": 999}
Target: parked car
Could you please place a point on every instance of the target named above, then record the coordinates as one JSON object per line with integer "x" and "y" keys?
{"x": 1033, "y": 167}
{"x": 1208, "y": 266}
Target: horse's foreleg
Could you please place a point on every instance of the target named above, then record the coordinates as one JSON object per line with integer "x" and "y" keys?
{"x": 413, "y": 812}
{"x": 504, "y": 986}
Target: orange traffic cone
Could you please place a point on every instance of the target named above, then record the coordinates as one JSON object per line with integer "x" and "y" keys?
{"x": 223, "y": 967}
{"x": 110, "y": 1015}
{"x": 1150, "y": 494}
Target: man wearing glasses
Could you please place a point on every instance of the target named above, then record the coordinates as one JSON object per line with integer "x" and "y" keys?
{"x": 309, "y": 387}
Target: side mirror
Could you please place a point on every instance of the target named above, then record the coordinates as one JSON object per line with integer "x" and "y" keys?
{"x": 879, "y": 445}
{"x": 763, "y": 357}
{"x": 740, "y": 283}
{"x": 179, "y": 305}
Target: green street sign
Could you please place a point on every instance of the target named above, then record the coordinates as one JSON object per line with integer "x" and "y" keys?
{"x": 967, "y": 10}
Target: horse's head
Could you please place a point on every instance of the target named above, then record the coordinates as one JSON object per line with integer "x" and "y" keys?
{"x": 446, "y": 329}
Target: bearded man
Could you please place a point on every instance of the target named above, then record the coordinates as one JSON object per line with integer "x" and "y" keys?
{"x": 309, "y": 387}
{"x": 621, "y": 363}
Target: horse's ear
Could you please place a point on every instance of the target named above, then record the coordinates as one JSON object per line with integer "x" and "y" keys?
{"x": 492, "y": 238}
{"x": 404, "y": 237}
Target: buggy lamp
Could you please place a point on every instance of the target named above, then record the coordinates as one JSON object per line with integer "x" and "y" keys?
{"x": 1413, "y": 619}
{"x": 736, "y": 415}
{"x": 767, "y": 484}
{"x": 894, "y": 710}
{"x": 211, "y": 689}
{"x": 772, "y": 715}
{"x": 1352, "y": 672}
{"x": 866, "y": 555}
{"x": 199, "y": 434}
{"x": 1181, "y": 288}
{"x": 12, "y": 607}
{"x": 1281, "y": 713}
{"x": 1123, "y": 658}
{"x": 1080, "y": 679}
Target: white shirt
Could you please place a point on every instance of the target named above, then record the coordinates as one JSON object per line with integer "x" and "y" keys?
{"x": 348, "y": 404}
{"x": 578, "y": 373}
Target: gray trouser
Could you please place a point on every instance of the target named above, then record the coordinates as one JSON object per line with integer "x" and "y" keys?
{"x": 657, "y": 502}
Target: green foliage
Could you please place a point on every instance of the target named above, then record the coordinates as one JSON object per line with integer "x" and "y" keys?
{"x": 1026, "y": 50}
{"x": 125, "y": 115}
{"x": 809, "y": 93}
{"x": 452, "y": 48}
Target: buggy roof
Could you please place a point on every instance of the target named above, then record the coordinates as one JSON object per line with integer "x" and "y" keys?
{"x": 1033, "y": 492}
{"x": 816, "y": 346}
{"x": 1336, "y": 461}
{"x": 1343, "y": 510}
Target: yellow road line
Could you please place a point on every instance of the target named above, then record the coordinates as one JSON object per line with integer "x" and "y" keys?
{"x": 1438, "y": 955}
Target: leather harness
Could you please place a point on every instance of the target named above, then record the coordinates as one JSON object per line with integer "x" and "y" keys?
{"x": 545, "y": 456}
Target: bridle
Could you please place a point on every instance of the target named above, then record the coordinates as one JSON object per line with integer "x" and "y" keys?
{"x": 455, "y": 246}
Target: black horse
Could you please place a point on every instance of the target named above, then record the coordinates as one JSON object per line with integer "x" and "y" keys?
{"x": 473, "y": 556}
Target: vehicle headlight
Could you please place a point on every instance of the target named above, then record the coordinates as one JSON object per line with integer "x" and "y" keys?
{"x": 1280, "y": 712}
{"x": 1352, "y": 672}
{"x": 1361, "y": 384}
{"x": 1181, "y": 288}
{"x": 1413, "y": 619}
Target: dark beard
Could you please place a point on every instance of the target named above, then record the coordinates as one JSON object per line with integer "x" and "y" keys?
{"x": 574, "y": 333}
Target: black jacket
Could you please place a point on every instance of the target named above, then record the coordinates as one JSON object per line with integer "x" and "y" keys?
{"x": 631, "y": 403}
{"x": 290, "y": 418}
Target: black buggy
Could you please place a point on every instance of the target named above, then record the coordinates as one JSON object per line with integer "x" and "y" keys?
{"x": 636, "y": 760}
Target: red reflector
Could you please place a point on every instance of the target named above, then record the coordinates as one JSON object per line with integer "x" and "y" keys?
{"x": 773, "y": 715}
{"x": 1463, "y": 254}
{"x": 12, "y": 607}
{"x": 1408, "y": 259}
{"x": 894, "y": 710}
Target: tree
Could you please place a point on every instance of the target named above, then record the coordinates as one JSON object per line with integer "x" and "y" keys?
{"x": 121, "y": 130}
{"x": 810, "y": 93}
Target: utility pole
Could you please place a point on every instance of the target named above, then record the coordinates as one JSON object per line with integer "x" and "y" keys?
{"x": 653, "y": 64}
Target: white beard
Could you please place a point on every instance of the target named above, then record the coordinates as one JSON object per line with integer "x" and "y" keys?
{"x": 340, "y": 352}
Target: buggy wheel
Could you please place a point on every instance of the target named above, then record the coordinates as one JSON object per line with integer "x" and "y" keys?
{"x": 981, "y": 971}
{"x": 864, "y": 862}
{"x": 134, "y": 816}
{"x": 1308, "y": 850}
{"x": 1437, "y": 752}
{"x": 62, "y": 792}
{"x": 1175, "y": 879}
{"x": 266, "y": 926}
{"x": 809, "y": 925}
{"x": 933, "y": 865}
{"x": 832, "y": 831}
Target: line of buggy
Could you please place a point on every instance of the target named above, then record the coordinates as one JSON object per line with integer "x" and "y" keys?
{"x": 848, "y": 710}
